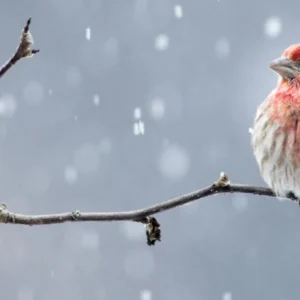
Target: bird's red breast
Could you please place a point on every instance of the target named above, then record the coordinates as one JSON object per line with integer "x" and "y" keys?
{"x": 285, "y": 102}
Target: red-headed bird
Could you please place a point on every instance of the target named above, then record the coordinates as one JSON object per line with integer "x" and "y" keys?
{"x": 276, "y": 129}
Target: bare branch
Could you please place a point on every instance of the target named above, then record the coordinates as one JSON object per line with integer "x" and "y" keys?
{"x": 134, "y": 215}
{"x": 23, "y": 50}
{"x": 222, "y": 186}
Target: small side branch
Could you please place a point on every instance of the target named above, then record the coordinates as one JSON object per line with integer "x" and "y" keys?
{"x": 23, "y": 50}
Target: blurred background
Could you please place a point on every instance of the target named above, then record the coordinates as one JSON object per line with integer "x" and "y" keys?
{"x": 130, "y": 103}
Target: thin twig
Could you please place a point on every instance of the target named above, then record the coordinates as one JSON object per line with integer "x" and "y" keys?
{"x": 135, "y": 215}
{"x": 23, "y": 50}
{"x": 144, "y": 215}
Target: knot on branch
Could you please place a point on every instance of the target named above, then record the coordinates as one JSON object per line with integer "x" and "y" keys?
{"x": 223, "y": 181}
{"x": 153, "y": 232}
{"x": 152, "y": 227}
{"x": 4, "y": 213}
{"x": 76, "y": 214}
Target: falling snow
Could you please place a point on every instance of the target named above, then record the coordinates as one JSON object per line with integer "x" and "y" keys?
{"x": 178, "y": 11}
{"x": 146, "y": 295}
{"x": 161, "y": 42}
{"x": 157, "y": 108}
{"x": 136, "y": 129}
{"x": 272, "y": 27}
{"x": 142, "y": 127}
{"x": 139, "y": 128}
{"x": 96, "y": 99}
{"x": 137, "y": 113}
{"x": 168, "y": 103}
{"x": 227, "y": 296}
{"x": 88, "y": 33}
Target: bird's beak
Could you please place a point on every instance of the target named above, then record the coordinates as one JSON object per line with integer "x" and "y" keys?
{"x": 284, "y": 67}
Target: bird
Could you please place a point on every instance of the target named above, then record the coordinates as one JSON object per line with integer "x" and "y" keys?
{"x": 276, "y": 130}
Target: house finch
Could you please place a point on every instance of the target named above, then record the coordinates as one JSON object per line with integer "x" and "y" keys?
{"x": 276, "y": 129}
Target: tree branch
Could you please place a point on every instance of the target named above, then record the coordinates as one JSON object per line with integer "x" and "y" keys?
{"x": 222, "y": 186}
{"x": 23, "y": 50}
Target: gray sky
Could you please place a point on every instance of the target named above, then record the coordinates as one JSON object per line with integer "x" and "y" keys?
{"x": 130, "y": 103}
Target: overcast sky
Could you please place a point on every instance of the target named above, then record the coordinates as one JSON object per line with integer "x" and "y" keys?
{"x": 128, "y": 104}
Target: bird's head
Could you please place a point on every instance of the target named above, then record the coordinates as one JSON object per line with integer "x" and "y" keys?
{"x": 288, "y": 65}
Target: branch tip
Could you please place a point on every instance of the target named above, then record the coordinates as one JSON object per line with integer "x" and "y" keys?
{"x": 26, "y": 28}
{"x": 23, "y": 50}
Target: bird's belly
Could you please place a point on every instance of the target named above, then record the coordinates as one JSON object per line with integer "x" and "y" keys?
{"x": 277, "y": 152}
